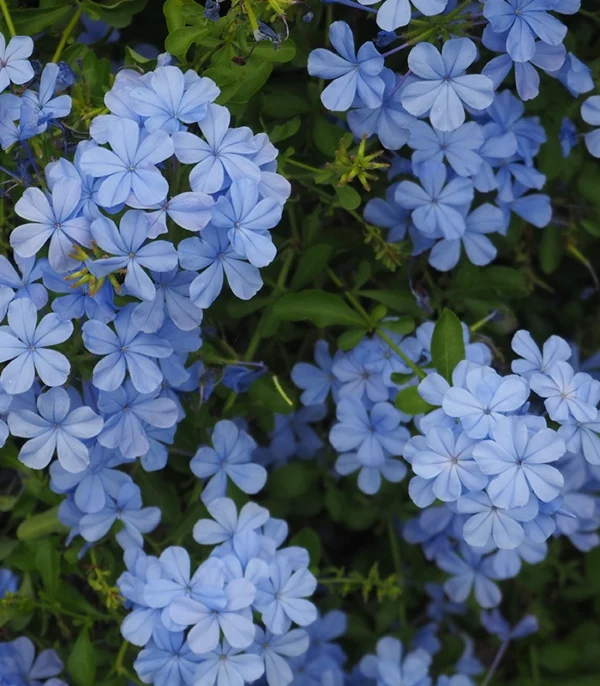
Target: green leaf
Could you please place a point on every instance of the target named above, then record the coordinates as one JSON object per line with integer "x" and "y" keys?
{"x": 29, "y": 21}
{"x": 399, "y": 325}
{"x": 363, "y": 274}
{"x": 82, "y": 661}
{"x": 47, "y": 563}
{"x": 283, "y": 106}
{"x": 265, "y": 394}
{"x": 266, "y": 51}
{"x": 254, "y": 77}
{"x": 350, "y": 339}
{"x": 403, "y": 303}
{"x": 410, "y": 402}
{"x": 592, "y": 226}
{"x": 321, "y": 308}
{"x": 551, "y": 249}
{"x": 447, "y": 344}
{"x": 292, "y": 480}
{"x": 172, "y": 9}
{"x": 7, "y": 502}
{"x": 326, "y": 136}
{"x": 118, "y": 14}
{"x": 282, "y": 131}
{"x": 349, "y": 198}
{"x": 40, "y": 525}
{"x": 179, "y": 41}
{"x": 313, "y": 262}
{"x": 309, "y": 539}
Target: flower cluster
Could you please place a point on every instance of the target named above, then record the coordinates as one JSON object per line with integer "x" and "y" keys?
{"x": 246, "y": 572}
{"x": 465, "y": 179}
{"x": 507, "y": 481}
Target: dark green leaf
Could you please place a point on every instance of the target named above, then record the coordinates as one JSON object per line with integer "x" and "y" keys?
{"x": 551, "y": 249}
{"x": 410, "y": 402}
{"x": 403, "y": 303}
{"x": 350, "y": 339}
{"x": 292, "y": 480}
{"x": 399, "y": 325}
{"x": 323, "y": 309}
{"x": 282, "y": 131}
{"x": 179, "y": 41}
{"x": 312, "y": 263}
{"x": 40, "y": 525}
{"x": 348, "y": 197}
{"x": 82, "y": 661}
{"x": 29, "y": 21}
{"x": 309, "y": 539}
{"x": 47, "y": 563}
{"x": 266, "y": 51}
{"x": 447, "y": 344}
{"x": 264, "y": 393}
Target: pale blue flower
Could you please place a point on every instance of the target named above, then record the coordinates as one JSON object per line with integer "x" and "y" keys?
{"x": 170, "y": 97}
{"x": 53, "y": 218}
{"x": 44, "y": 103}
{"x": 225, "y": 156}
{"x": 469, "y": 571}
{"x": 230, "y": 456}
{"x": 590, "y": 113}
{"x": 352, "y": 74}
{"x": 391, "y": 665}
{"x": 534, "y": 360}
{"x": 130, "y": 166}
{"x": 273, "y": 649}
{"x": 167, "y": 660}
{"x": 129, "y": 249}
{"x": 15, "y": 67}
{"x": 227, "y": 666}
{"x": 55, "y": 429}
{"x": 562, "y": 388}
{"x": 26, "y": 343}
{"x": 443, "y": 85}
{"x": 517, "y": 460}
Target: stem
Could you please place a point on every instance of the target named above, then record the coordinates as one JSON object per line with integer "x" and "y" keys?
{"x": 397, "y": 565}
{"x": 495, "y": 663}
{"x": 66, "y": 33}
{"x": 7, "y": 18}
{"x": 32, "y": 161}
{"x": 419, "y": 372}
{"x": 351, "y": 298}
{"x": 303, "y": 166}
{"x": 5, "y": 171}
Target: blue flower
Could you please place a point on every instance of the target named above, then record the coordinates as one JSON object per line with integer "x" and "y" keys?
{"x": 389, "y": 121}
{"x": 54, "y": 429}
{"x": 125, "y": 350}
{"x": 128, "y": 414}
{"x": 9, "y": 582}
{"x": 213, "y": 253}
{"x": 225, "y": 156}
{"x": 369, "y": 475}
{"x": 230, "y": 456}
{"x": 318, "y": 380}
{"x": 127, "y": 508}
{"x": 524, "y": 20}
{"x": 225, "y": 611}
{"x": 436, "y": 206}
{"x": 14, "y": 65}
{"x": 458, "y": 147}
{"x": 227, "y": 666}
{"x": 191, "y": 211}
{"x": 487, "y": 396}
{"x": 94, "y": 485}
{"x": 495, "y": 624}
{"x": 392, "y": 666}
{"x": 358, "y": 374}
{"x": 479, "y": 248}
{"x": 293, "y": 435}
{"x": 248, "y": 221}
{"x": 28, "y": 127}
{"x": 562, "y": 388}
{"x": 574, "y": 75}
{"x": 19, "y": 663}
{"x": 273, "y": 649}
{"x": 228, "y": 525}
{"x": 169, "y": 97}
{"x": 56, "y": 220}
{"x": 78, "y": 302}
{"x": 127, "y": 245}
{"x": 490, "y": 524}
{"x": 443, "y": 86}
{"x": 517, "y": 460}
{"x": 26, "y": 343}
{"x": 469, "y": 571}
{"x": 567, "y": 136}
{"x": 534, "y": 360}
{"x": 44, "y": 103}
{"x": 352, "y": 74}
{"x": 129, "y": 168}
{"x": 167, "y": 659}
{"x": 15, "y": 285}
{"x": 590, "y": 113}
{"x": 448, "y": 462}
{"x": 282, "y": 597}
{"x": 372, "y": 434}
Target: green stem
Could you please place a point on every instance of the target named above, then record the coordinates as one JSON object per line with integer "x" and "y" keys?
{"x": 301, "y": 165}
{"x": 419, "y": 372}
{"x": 351, "y": 298}
{"x": 7, "y": 18}
{"x": 69, "y": 28}
{"x": 397, "y": 565}
{"x": 118, "y": 666}
{"x": 590, "y": 15}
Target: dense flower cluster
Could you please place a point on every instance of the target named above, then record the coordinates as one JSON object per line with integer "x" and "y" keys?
{"x": 465, "y": 180}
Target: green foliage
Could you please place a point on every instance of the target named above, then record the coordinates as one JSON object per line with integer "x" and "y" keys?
{"x": 447, "y": 344}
